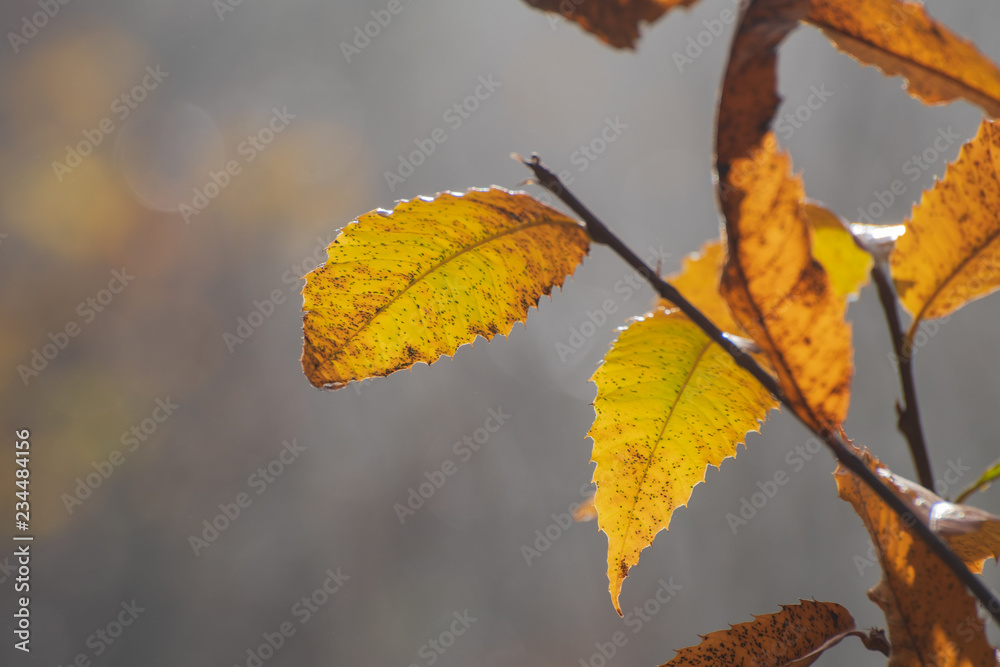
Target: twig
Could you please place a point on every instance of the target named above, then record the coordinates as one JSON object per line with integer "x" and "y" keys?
{"x": 909, "y": 413}
{"x": 600, "y": 233}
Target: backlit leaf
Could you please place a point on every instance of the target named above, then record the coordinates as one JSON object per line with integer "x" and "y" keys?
{"x": 900, "y": 38}
{"x": 777, "y": 291}
{"x": 782, "y": 296}
{"x": 749, "y": 96}
{"x": 670, "y": 402}
{"x": 796, "y": 635}
{"x": 974, "y": 535}
{"x": 950, "y": 253}
{"x": 698, "y": 282}
{"x": 614, "y": 21}
{"x": 833, "y": 246}
{"x": 932, "y": 619}
{"x": 417, "y": 283}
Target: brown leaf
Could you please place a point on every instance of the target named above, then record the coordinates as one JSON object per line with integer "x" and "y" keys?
{"x": 932, "y": 618}
{"x": 614, "y": 21}
{"x": 750, "y": 88}
{"x": 901, "y": 39}
{"x": 792, "y": 636}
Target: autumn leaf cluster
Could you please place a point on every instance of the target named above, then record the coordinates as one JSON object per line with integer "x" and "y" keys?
{"x": 416, "y": 283}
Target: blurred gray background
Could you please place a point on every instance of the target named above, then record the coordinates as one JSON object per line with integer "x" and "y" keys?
{"x": 223, "y": 70}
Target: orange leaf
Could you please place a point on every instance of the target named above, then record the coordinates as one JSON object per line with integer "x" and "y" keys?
{"x": 798, "y": 634}
{"x": 901, "y": 39}
{"x": 974, "y": 535}
{"x": 782, "y": 296}
{"x": 932, "y": 618}
{"x": 614, "y": 21}
{"x": 749, "y": 95}
{"x": 777, "y": 291}
{"x": 950, "y": 253}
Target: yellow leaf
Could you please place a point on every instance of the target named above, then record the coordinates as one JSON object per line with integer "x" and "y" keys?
{"x": 670, "y": 402}
{"x": 417, "y": 283}
{"x": 950, "y": 253}
{"x": 833, "y": 246}
{"x": 614, "y": 21}
{"x": 932, "y": 619}
{"x": 900, "y": 38}
{"x": 781, "y": 295}
{"x": 798, "y": 634}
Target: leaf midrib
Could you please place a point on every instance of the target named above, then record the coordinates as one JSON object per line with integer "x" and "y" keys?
{"x": 745, "y": 287}
{"x": 950, "y": 278}
{"x": 825, "y": 27}
{"x": 659, "y": 439}
{"x": 977, "y": 251}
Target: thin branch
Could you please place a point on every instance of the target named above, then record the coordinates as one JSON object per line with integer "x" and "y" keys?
{"x": 600, "y": 233}
{"x": 909, "y": 413}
